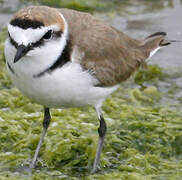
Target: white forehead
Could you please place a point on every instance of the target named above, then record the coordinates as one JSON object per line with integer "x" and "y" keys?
{"x": 26, "y": 36}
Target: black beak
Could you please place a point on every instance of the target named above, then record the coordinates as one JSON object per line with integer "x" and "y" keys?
{"x": 21, "y": 51}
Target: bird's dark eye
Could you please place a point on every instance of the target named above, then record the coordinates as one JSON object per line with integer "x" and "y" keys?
{"x": 48, "y": 34}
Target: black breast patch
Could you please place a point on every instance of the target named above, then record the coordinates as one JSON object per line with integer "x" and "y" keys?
{"x": 61, "y": 60}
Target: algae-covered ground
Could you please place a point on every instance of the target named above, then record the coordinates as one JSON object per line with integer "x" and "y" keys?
{"x": 143, "y": 142}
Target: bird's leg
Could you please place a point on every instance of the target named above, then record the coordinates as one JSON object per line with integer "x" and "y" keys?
{"x": 46, "y": 122}
{"x": 102, "y": 131}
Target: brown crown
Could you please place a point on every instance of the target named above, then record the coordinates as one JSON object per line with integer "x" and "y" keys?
{"x": 37, "y": 16}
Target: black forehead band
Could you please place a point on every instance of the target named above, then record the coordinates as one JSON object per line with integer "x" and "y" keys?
{"x": 26, "y": 23}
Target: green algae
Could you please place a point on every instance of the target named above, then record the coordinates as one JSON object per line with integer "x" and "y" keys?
{"x": 113, "y": 6}
{"x": 80, "y": 5}
{"x": 144, "y": 139}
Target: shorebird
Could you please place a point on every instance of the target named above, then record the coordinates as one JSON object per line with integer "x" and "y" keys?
{"x": 63, "y": 58}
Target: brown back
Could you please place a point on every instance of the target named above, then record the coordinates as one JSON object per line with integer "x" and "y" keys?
{"x": 110, "y": 54}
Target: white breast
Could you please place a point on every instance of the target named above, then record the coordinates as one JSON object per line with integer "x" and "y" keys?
{"x": 68, "y": 86}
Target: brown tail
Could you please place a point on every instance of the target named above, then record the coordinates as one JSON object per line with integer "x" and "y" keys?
{"x": 156, "y": 40}
{"x": 158, "y": 36}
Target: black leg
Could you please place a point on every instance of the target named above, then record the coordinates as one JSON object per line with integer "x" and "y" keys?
{"x": 46, "y": 122}
{"x": 103, "y": 127}
{"x": 47, "y": 118}
{"x": 102, "y": 131}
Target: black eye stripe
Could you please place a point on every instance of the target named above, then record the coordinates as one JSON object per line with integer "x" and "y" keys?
{"x": 35, "y": 44}
{"x": 31, "y": 46}
{"x": 57, "y": 33}
{"x": 12, "y": 41}
{"x": 48, "y": 34}
{"x": 41, "y": 41}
